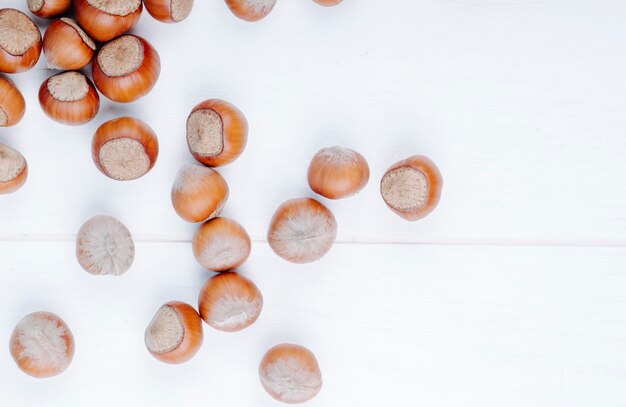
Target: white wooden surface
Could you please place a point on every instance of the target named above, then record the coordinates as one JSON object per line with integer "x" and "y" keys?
{"x": 511, "y": 292}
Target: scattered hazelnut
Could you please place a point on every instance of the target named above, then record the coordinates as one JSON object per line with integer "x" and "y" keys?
{"x": 66, "y": 46}
{"x": 13, "y": 170}
{"x": 126, "y": 68}
{"x": 230, "y": 302}
{"x": 221, "y": 244}
{"x": 69, "y": 98}
{"x": 290, "y": 373}
{"x": 104, "y": 246}
{"x": 302, "y": 230}
{"x": 42, "y": 345}
{"x": 337, "y": 172}
{"x": 217, "y": 132}
{"x": 175, "y": 333}
{"x": 124, "y": 149}
{"x": 412, "y": 187}
{"x": 199, "y": 193}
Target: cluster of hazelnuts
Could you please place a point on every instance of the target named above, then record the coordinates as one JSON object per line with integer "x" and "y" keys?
{"x": 124, "y": 69}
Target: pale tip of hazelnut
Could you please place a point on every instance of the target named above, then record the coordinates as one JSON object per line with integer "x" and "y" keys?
{"x": 302, "y": 230}
{"x": 290, "y": 373}
{"x": 230, "y": 302}
{"x": 42, "y": 345}
{"x": 104, "y": 246}
{"x": 221, "y": 244}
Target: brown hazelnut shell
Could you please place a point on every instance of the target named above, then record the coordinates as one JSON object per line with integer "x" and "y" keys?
{"x": 234, "y": 133}
{"x": 199, "y": 193}
{"x": 328, "y": 3}
{"x": 65, "y": 48}
{"x": 435, "y": 184}
{"x": 337, "y": 172}
{"x": 288, "y": 361}
{"x": 103, "y": 26}
{"x": 134, "y": 85}
{"x": 288, "y": 238}
{"x": 192, "y": 339}
{"x": 12, "y": 102}
{"x": 50, "y": 8}
{"x": 32, "y": 366}
{"x": 11, "y": 63}
{"x": 163, "y": 10}
{"x": 221, "y": 231}
{"x": 16, "y": 183}
{"x": 227, "y": 287}
{"x": 128, "y": 128}
{"x": 243, "y": 10}
{"x": 70, "y": 112}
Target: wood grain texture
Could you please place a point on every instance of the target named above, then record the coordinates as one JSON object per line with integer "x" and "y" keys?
{"x": 518, "y": 300}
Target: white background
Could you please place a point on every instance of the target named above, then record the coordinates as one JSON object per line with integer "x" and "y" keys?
{"x": 513, "y": 292}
